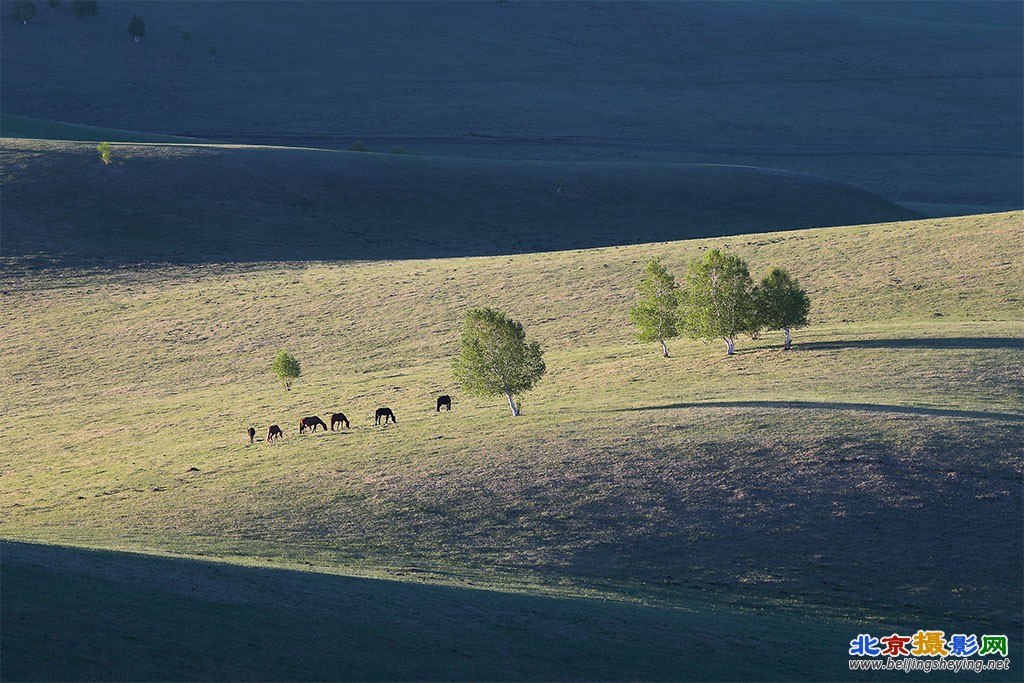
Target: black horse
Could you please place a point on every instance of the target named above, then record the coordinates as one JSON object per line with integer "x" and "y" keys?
{"x": 445, "y": 401}
{"x": 311, "y": 424}
{"x": 385, "y": 413}
{"x": 252, "y": 434}
{"x": 274, "y": 433}
{"x": 338, "y": 418}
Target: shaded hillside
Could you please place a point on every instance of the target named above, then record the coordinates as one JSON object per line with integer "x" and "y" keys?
{"x": 918, "y": 105}
{"x": 256, "y": 624}
{"x": 186, "y": 204}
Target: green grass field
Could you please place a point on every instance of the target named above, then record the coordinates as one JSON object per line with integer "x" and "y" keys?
{"x": 870, "y": 477}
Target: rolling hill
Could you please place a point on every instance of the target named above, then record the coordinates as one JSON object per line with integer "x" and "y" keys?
{"x": 832, "y": 480}
{"x": 922, "y": 106}
{"x": 184, "y": 203}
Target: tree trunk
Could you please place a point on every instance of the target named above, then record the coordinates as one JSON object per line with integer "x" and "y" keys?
{"x": 730, "y": 345}
{"x": 664, "y": 349}
{"x": 511, "y": 404}
{"x": 789, "y": 341}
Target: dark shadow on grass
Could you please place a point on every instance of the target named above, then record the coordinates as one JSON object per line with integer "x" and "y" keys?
{"x": 830, "y": 405}
{"x": 919, "y": 343}
{"x": 74, "y": 614}
{"x": 245, "y": 206}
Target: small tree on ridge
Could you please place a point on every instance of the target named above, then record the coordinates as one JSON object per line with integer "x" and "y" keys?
{"x": 136, "y": 27}
{"x": 106, "y": 154}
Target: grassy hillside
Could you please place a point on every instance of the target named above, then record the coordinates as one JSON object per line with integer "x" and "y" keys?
{"x": 922, "y": 106}
{"x": 215, "y": 203}
{"x": 838, "y": 478}
{"x": 40, "y": 129}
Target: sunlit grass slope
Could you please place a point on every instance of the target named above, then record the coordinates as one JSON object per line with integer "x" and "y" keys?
{"x": 840, "y": 476}
{"x": 201, "y": 204}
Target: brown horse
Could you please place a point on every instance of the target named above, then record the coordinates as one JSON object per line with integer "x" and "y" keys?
{"x": 337, "y": 418}
{"x": 274, "y": 433}
{"x": 385, "y": 413}
{"x": 444, "y": 401}
{"x": 311, "y": 424}
{"x": 252, "y": 434}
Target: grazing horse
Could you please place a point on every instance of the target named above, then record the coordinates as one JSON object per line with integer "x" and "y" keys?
{"x": 274, "y": 433}
{"x": 310, "y": 423}
{"x": 338, "y": 418}
{"x": 252, "y": 434}
{"x": 385, "y": 413}
{"x": 445, "y": 401}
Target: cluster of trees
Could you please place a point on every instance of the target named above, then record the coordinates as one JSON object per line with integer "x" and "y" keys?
{"x": 718, "y": 300}
{"x": 25, "y": 10}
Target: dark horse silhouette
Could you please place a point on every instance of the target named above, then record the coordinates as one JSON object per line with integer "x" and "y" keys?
{"x": 274, "y": 433}
{"x": 385, "y": 413}
{"x": 338, "y": 417}
{"x": 445, "y": 401}
{"x": 252, "y": 434}
{"x": 311, "y": 424}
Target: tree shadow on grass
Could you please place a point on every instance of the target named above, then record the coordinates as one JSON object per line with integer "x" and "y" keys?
{"x": 831, "y": 405}
{"x": 918, "y": 343}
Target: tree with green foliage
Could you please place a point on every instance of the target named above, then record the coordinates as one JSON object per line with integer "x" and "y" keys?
{"x": 781, "y": 304}
{"x": 106, "y": 154}
{"x": 136, "y": 27}
{"x": 656, "y": 314}
{"x": 287, "y": 368}
{"x": 718, "y": 301}
{"x": 85, "y": 9}
{"x": 24, "y": 10}
{"x": 495, "y": 358}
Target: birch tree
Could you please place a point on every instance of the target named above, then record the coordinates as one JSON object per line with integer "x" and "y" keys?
{"x": 718, "y": 301}
{"x": 656, "y": 314}
{"x": 495, "y": 358}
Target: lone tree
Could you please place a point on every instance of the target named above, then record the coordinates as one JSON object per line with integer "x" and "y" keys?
{"x": 286, "y": 368}
{"x": 106, "y": 154}
{"x": 718, "y": 301}
{"x": 136, "y": 27}
{"x": 24, "y": 10}
{"x": 85, "y": 9}
{"x": 495, "y": 357}
{"x": 656, "y": 314}
{"x": 781, "y": 303}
